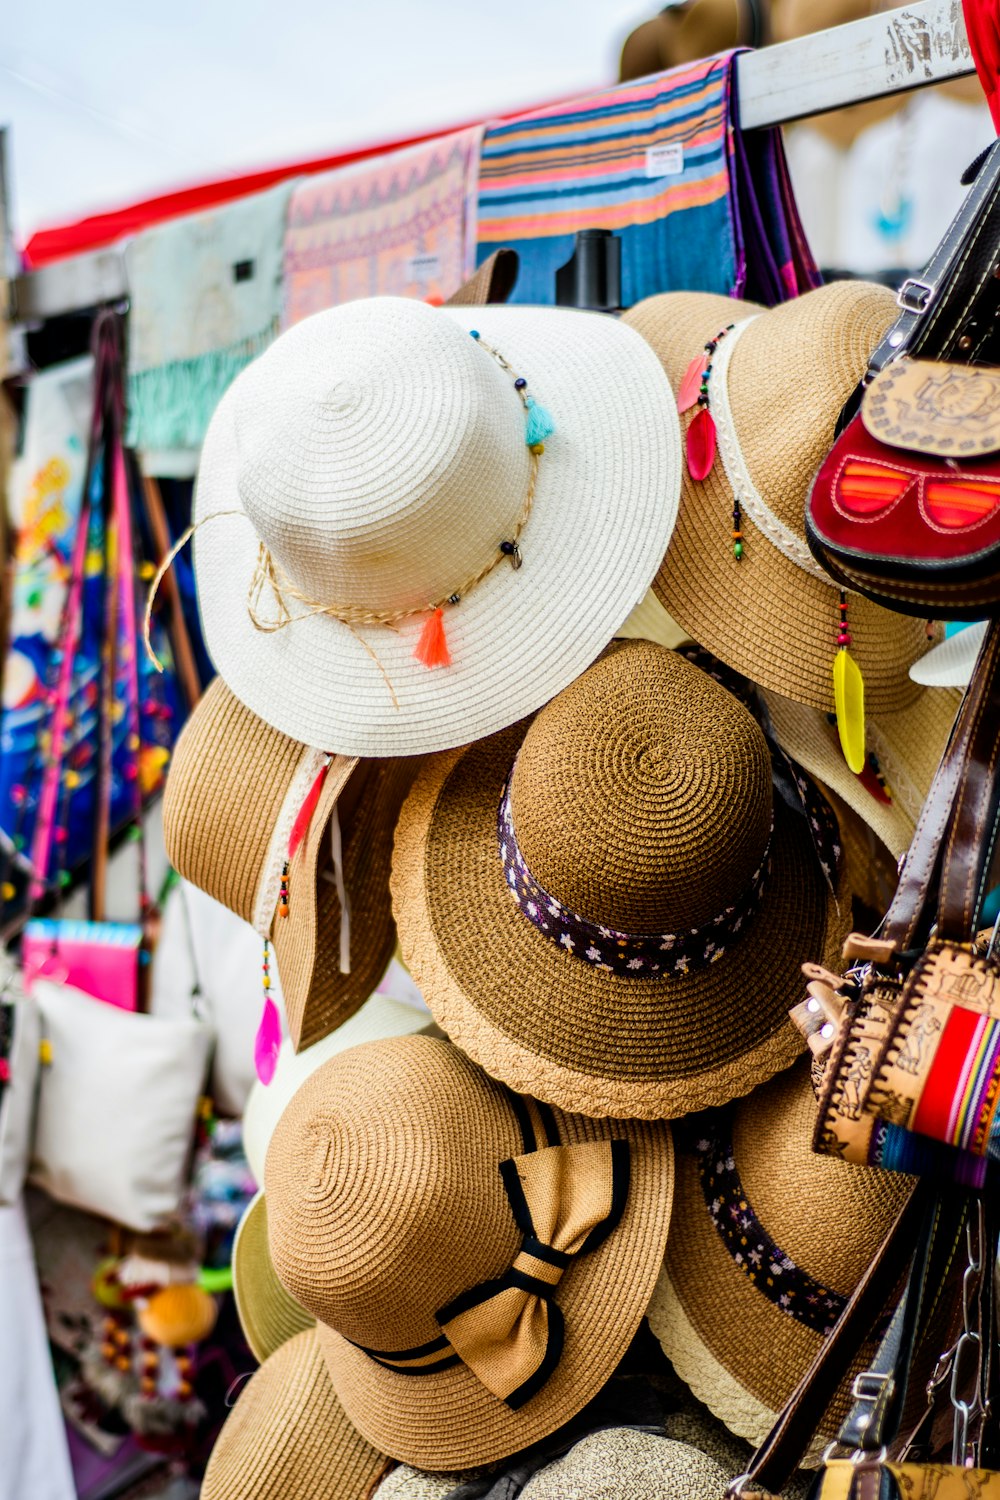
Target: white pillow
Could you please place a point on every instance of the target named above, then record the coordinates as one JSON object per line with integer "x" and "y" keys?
{"x": 116, "y": 1106}
{"x": 19, "y": 1035}
{"x": 227, "y": 954}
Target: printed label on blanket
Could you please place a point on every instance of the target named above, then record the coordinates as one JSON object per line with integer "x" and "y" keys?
{"x": 664, "y": 161}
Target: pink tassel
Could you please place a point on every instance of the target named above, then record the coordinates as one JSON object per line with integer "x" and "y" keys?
{"x": 701, "y": 445}
{"x": 267, "y": 1043}
{"x": 304, "y": 815}
{"x": 691, "y": 384}
{"x": 432, "y": 647}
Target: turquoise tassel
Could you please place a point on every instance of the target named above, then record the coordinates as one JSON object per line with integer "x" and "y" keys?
{"x": 539, "y": 425}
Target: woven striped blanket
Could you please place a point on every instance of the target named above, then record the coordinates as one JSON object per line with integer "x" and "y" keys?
{"x": 652, "y": 160}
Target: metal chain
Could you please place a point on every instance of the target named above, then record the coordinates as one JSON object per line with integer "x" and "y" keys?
{"x": 966, "y": 1355}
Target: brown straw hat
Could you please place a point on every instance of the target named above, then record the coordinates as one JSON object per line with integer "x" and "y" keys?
{"x": 289, "y": 1438}
{"x": 234, "y": 791}
{"x": 742, "y": 1308}
{"x": 903, "y": 753}
{"x": 642, "y": 800}
{"x": 776, "y": 390}
{"x": 477, "y": 1263}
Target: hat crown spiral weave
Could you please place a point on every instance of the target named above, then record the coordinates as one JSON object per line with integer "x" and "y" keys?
{"x": 384, "y": 1194}
{"x": 382, "y": 457}
{"x": 797, "y": 1195}
{"x": 641, "y": 798}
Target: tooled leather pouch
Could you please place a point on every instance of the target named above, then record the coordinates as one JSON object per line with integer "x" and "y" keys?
{"x": 908, "y": 502}
{"x": 887, "y": 1018}
{"x": 906, "y": 507}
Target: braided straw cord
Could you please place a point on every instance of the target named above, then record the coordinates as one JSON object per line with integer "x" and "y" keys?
{"x": 268, "y": 571}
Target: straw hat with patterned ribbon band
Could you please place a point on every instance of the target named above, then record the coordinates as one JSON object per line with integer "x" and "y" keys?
{"x": 608, "y": 909}
{"x": 767, "y": 1243}
{"x": 775, "y": 386}
{"x": 244, "y": 803}
{"x": 903, "y": 753}
{"x": 477, "y": 1264}
{"x": 351, "y": 595}
{"x": 289, "y": 1438}
{"x": 268, "y": 1314}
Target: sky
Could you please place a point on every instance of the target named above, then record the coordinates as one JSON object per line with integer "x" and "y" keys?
{"x": 121, "y": 99}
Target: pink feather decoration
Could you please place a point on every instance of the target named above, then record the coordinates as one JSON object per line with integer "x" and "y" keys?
{"x": 691, "y": 384}
{"x": 268, "y": 1040}
{"x": 701, "y": 445}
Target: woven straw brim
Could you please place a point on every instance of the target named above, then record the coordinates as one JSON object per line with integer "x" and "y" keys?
{"x": 951, "y": 662}
{"x": 269, "y": 1315}
{"x": 407, "y": 1483}
{"x": 791, "y": 373}
{"x": 226, "y": 791}
{"x": 554, "y": 1027}
{"x": 318, "y": 997}
{"x": 603, "y": 512}
{"x": 449, "y": 1420}
{"x": 288, "y": 1437}
{"x": 740, "y": 1353}
{"x": 623, "y": 1464}
{"x": 908, "y": 745}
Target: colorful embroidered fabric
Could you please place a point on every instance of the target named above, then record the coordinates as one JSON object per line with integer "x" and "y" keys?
{"x": 791, "y": 1289}
{"x": 46, "y": 505}
{"x": 401, "y": 225}
{"x": 696, "y": 205}
{"x": 630, "y": 159}
{"x": 632, "y": 955}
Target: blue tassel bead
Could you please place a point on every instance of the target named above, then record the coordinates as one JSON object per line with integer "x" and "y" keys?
{"x": 539, "y": 425}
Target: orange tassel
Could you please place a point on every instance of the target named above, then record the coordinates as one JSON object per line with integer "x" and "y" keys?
{"x": 432, "y": 647}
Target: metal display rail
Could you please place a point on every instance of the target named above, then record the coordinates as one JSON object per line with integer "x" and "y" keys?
{"x": 890, "y": 53}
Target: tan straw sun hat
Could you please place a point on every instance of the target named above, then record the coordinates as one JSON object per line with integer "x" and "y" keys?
{"x": 373, "y": 467}
{"x": 778, "y": 382}
{"x": 622, "y": 934}
{"x": 268, "y": 1314}
{"x": 767, "y": 1242}
{"x": 903, "y": 753}
{"x": 477, "y": 1263}
{"x": 288, "y": 1437}
{"x": 235, "y": 791}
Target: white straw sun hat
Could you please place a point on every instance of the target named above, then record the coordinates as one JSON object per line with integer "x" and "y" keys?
{"x": 374, "y": 463}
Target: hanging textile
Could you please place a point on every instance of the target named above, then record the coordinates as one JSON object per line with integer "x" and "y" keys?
{"x": 205, "y": 300}
{"x": 660, "y": 163}
{"x": 79, "y": 574}
{"x": 402, "y": 225}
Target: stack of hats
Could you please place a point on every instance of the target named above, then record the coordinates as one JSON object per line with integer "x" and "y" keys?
{"x": 599, "y": 823}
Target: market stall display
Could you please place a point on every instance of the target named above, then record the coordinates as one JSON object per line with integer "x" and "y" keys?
{"x": 549, "y": 765}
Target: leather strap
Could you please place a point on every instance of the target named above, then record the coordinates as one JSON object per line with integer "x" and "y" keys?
{"x": 968, "y": 849}
{"x": 781, "y": 1452}
{"x": 873, "y": 1421}
{"x": 936, "y": 306}
{"x": 962, "y": 785}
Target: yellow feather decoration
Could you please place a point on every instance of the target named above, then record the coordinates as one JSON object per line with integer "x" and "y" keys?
{"x": 849, "y": 700}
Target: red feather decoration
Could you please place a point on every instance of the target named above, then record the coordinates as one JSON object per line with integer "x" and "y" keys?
{"x": 304, "y": 815}
{"x": 701, "y": 445}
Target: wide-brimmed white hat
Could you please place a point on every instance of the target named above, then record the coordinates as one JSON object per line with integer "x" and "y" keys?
{"x": 950, "y": 662}
{"x": 373, "y": 466}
